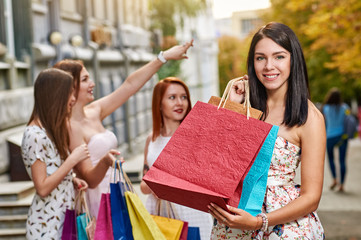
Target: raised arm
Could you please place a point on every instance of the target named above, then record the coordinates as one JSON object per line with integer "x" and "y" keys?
{"x": 137, "y": 79}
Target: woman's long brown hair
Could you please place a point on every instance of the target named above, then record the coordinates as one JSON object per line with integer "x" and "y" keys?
{"x": 74, "y": 67}
{"x": 158, "y": 94}
{"x": 52, "y": 90}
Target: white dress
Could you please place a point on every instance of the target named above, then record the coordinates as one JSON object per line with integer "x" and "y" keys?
{"x": 99, "y": 145}
{"x": 46, "y": 215}
{"x": 195, "y": 218}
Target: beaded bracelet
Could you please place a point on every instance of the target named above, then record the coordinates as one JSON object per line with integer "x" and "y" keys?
{"x": 264, "y": 221}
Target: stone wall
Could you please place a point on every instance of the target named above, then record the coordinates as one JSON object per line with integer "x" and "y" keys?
{"x": 15, "y": 109}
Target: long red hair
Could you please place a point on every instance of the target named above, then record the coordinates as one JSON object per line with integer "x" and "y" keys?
{"x": 158, "y": 94}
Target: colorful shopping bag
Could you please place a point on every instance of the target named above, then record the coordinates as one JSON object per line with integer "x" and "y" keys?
{"x": 69, "y": 226}
{"x": 143, "y": 225}
{"x": 255, "y": 183}
{"x": 104, "y": 228}
{"x": 184, "y": 234}
{"x": 170, "y": 225}
{"x": 171, "y": 228}
{"x": 235, "y": 107}
{"x": 208, "y": 158}
{"x": 122, "y": 228}
{"x": 81, "y": 223}
{"x": 194, "y": 233}
{"x": 90, "y": 228}
{"x": 83, "y": 219}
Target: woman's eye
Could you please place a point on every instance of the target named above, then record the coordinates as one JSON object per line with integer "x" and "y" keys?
{"x": 184, "y": 97}
{"x": 172, "y": 97}
{"x": 259, "y": 58}
{"x": 280, "y": 57}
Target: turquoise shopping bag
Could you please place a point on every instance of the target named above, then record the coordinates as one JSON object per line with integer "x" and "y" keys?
{"x": 255, "y": 183}
{"x": 82, "y": 222}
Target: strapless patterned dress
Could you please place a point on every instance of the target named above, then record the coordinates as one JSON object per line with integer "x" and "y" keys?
{"x": 281, "y": 190}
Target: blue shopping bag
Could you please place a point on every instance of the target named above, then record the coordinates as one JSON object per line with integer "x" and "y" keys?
{"x": 122, "y": 228}
{"x": 255, "y": 183}
{"x": 193, "y": 233}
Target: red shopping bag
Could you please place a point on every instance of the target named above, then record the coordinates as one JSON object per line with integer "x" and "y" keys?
{"x": 104, "y": 227}
{"x": 207, "y": 158}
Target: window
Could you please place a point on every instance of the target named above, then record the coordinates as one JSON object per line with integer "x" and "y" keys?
{"x": 248, "y": 25}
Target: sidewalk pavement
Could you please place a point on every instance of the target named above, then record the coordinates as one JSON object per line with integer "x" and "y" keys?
{"x": 340, "y": 213}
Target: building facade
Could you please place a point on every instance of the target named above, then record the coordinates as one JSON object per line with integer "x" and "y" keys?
{"x": 245, "y": 22}
{"x": 112, "y": 38}
{"x": 241, "y": 24}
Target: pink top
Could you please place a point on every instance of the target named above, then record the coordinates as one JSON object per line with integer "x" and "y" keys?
{"x": 98, "y": 146}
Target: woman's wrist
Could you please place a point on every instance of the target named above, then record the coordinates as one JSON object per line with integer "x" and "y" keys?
{"x": 264, "y": 222}
{"x": 258, "y": 223}
{"x": 161, "y": 57}
{"x": 111, "y": 162}
{"x": 73, "y": 176}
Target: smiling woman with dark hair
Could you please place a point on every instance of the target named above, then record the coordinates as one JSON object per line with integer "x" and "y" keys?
{"x": 278, "y": 85}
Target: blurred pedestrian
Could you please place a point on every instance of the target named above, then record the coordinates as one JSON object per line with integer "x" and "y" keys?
{"x": 335, "y": 111}
{"x": 170, "y": 105}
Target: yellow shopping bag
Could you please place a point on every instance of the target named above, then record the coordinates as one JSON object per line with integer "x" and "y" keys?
{"x": 168, "y": 221}
{"x": 171, "y": 228}
{"x": 144, "y": 227}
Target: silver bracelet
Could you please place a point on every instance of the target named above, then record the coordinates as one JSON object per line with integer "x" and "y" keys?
{"x": 264, "y": 221}
{"x": 161, "y": 57}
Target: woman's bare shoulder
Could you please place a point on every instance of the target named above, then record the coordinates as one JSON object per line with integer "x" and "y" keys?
{"x": 149, "y": 138}
{"x": 92, "y": 111}
{"x": 315, "y": 124}
{"x": 76, "y": 134}
{"x": 314, "y": 114}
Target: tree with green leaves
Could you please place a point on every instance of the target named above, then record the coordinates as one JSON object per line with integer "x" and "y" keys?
{"x": 163, "y": 15}
{"x": 232, "y": 59}
{"x": 329, "y": 31}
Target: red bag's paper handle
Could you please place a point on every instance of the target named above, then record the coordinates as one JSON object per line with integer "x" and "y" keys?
{"x": 228, "y": 89}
